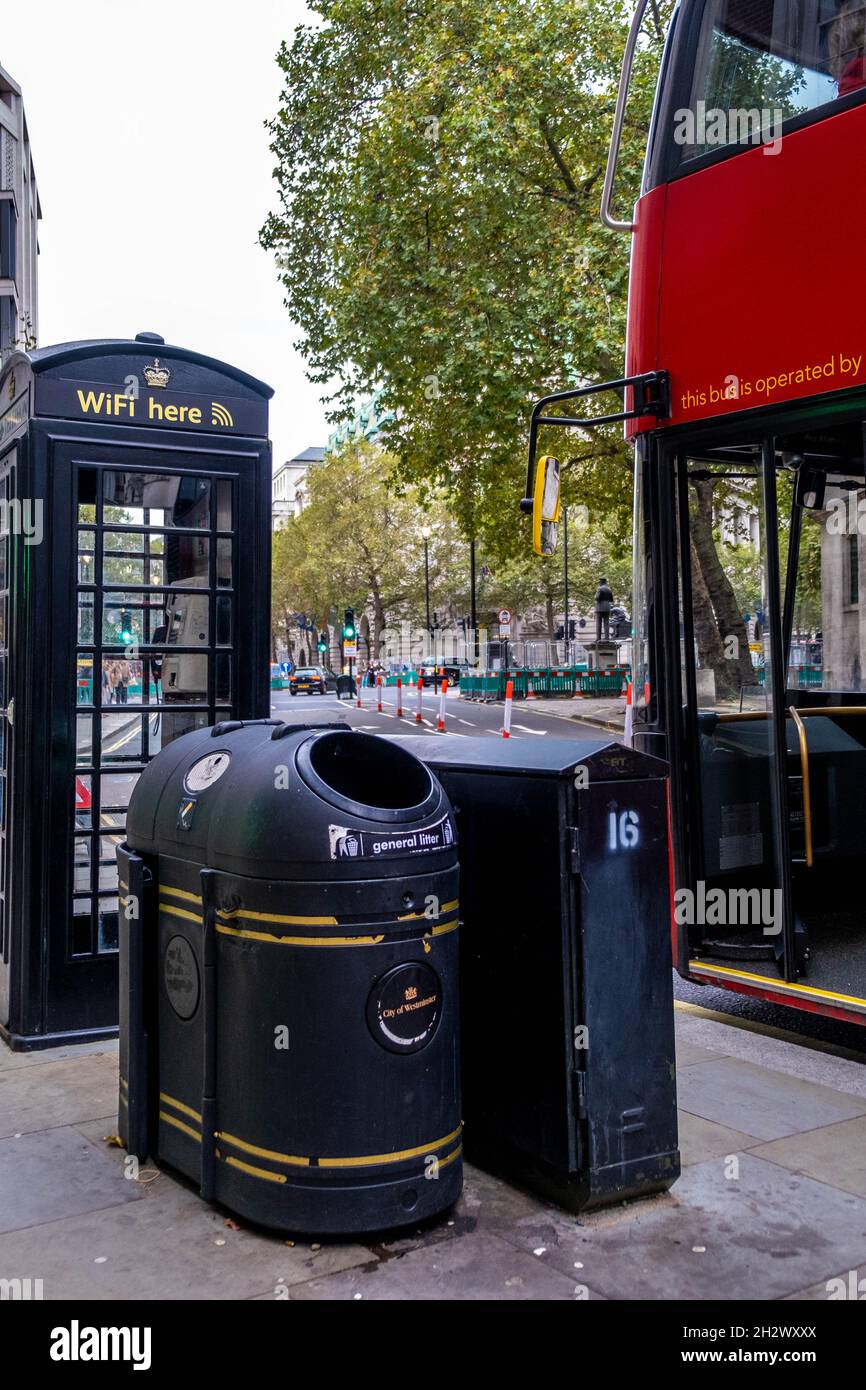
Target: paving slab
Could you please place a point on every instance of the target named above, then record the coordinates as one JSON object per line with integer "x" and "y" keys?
{"x": 835, "y": 1154}
{"x": 757, "y": 1237}
{"x": 485, "y": 1267}
{"x": 57, "y": 1093}
{"x": 12, "y": 1060}
{"x": 169, "y": 1245}
{"x": 700, "y": 1139}
{"x": 56, "y": 1173}
{"x": 759, "y": 1102}
{"x": 689, "y": 1054}
{"x": 773, "y": 1049}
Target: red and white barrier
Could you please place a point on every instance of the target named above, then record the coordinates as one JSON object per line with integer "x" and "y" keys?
{"x": 359, "y": 703}
{"x": 418, "y": 719}
{"x": 379, "y": 694}
{"x": 399, "y": 697}
{"x": 443, "y": 691}
{"x": 509, "y": 700}
{"x": 628, "y": 736}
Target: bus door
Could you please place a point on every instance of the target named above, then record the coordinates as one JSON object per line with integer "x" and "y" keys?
{"x": 770, "y": 791}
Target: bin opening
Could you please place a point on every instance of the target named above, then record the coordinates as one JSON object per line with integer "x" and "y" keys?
{"x": 370, "y": 771}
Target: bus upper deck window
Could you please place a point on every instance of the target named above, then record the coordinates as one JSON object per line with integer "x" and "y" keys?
{"x": 759, "y": 63}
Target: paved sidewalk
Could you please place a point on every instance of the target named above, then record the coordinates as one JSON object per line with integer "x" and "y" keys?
{"x": 606, "y": 714}
{"x": 771, "y": 1203}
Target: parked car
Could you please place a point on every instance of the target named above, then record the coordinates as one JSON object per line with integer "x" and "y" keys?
{"x": 431, "y": 672}
{"x": 312, "y": 680}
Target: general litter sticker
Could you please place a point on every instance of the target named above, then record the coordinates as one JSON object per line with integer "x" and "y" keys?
{"x": 346, "y": 843}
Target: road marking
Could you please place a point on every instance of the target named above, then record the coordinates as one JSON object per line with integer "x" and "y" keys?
{"x": 465, "y": 721}
{"x": 524, "y": 730}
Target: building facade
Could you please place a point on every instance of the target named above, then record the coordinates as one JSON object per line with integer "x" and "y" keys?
{"x": 289, "y": 486}
{"x": 19, "y": 225}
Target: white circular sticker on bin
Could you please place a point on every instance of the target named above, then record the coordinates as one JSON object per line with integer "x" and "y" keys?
{"x": 206, "y": 771}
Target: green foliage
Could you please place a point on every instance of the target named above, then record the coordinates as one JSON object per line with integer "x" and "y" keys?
{"x": 439, "y": 168}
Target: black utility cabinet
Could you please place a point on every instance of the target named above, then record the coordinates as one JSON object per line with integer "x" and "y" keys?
{"x": 567, "y": 1035}
{"x": 135, "y": 504}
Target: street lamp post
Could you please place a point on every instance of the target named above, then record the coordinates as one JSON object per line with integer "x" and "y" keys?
{"x": 425, "y": 532}
{"x": 565, "y": 576}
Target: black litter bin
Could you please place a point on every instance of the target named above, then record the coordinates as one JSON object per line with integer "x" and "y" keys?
{"x": 289, "y": 976}
{"x": 567, "y": 1036}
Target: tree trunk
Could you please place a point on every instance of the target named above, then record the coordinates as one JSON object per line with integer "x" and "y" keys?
{"x": 737, "y": 665}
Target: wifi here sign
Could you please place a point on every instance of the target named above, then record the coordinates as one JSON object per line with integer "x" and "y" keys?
{"x": 114, "y": 404}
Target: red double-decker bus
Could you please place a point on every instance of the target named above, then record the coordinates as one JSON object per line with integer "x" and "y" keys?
{"x": 744, "y": 397}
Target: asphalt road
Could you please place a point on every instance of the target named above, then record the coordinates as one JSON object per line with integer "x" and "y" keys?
{"x": 462, "y": 718}
{"x": 466, "y": 718}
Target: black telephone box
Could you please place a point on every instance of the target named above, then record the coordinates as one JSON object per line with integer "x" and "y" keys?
{"x": 135, "y": 526}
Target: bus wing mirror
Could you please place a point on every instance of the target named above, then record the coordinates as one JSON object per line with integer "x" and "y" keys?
{"x": 545, "y": 506}
{"x": 810, "y": 488}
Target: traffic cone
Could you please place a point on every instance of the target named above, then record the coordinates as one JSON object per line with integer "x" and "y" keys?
{"x": 443, "y": 692}
{"x": 509, "y": 697}
{"x": 418, "y": 719}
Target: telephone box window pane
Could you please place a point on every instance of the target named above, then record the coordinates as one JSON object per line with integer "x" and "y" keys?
{"x": 108, "y": 848}
{"x": 184, "y": 678}
{"x": 224, "y": 504}
{"x": 3, "y": 621}
{"x": 81, "y": 927}
{"x": 86, "y": 541}
{"x": 223, "y": 676}
{"x": 81, "y": 865}
{"x": 187, "y": 618}
{"x": 224, "y": 563}
{"x": 130, "y": 620}
{"x": 124, "y": 542}
{"x": 85, "y": 619}
{"x": 172, "y": 724}
{"x": 115, "y": 791}
{"x": 4, "y": 549}
{"x": 186, "y": 559}
{"x": 122, "y": 569}
{"x": 121, "y": 738}
{"x": 83, "y": 740}
{"x": 122, "y": 681}
{"x": 2, "y": 680}
{"x": 84, "y": 680}
{"x": 223, "y": 621}
{"x": 87, "y": 569}
{"x": 106, "y": 934}
{"x": 153, "y": 499}
{"x": 83, "y": 794}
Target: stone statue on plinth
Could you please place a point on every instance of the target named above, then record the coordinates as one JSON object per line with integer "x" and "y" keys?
{"x": 603, "y": 605}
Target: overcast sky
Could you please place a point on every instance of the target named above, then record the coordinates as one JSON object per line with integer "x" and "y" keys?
{"x": 146, "y": 121}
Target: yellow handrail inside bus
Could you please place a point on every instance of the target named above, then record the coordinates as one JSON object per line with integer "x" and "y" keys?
{"x": 798, "y": 715}
{"x": 804, "y": 771}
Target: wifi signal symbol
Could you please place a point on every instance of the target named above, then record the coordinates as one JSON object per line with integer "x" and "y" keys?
{"x": 220, "y": 416}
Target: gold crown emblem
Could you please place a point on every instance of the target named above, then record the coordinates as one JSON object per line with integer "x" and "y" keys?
{"x": 411, "y": 992}
{"x": 155, "y": 375}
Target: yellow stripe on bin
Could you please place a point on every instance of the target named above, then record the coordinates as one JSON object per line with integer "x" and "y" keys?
{"x": 242, "y": 1144}
{"x": 365, "y": 1161}
{"x": 179, "y": 1124}
{"x": 181, "y": 912}
{"x": 179, "y": 1105}
{"x": 300, "y": 940}
{"x": 179, "y": 893}
{"x": 371, "y": 1160}
{"x": 251, "y": 1169}
{"x": 276, "y": 917}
